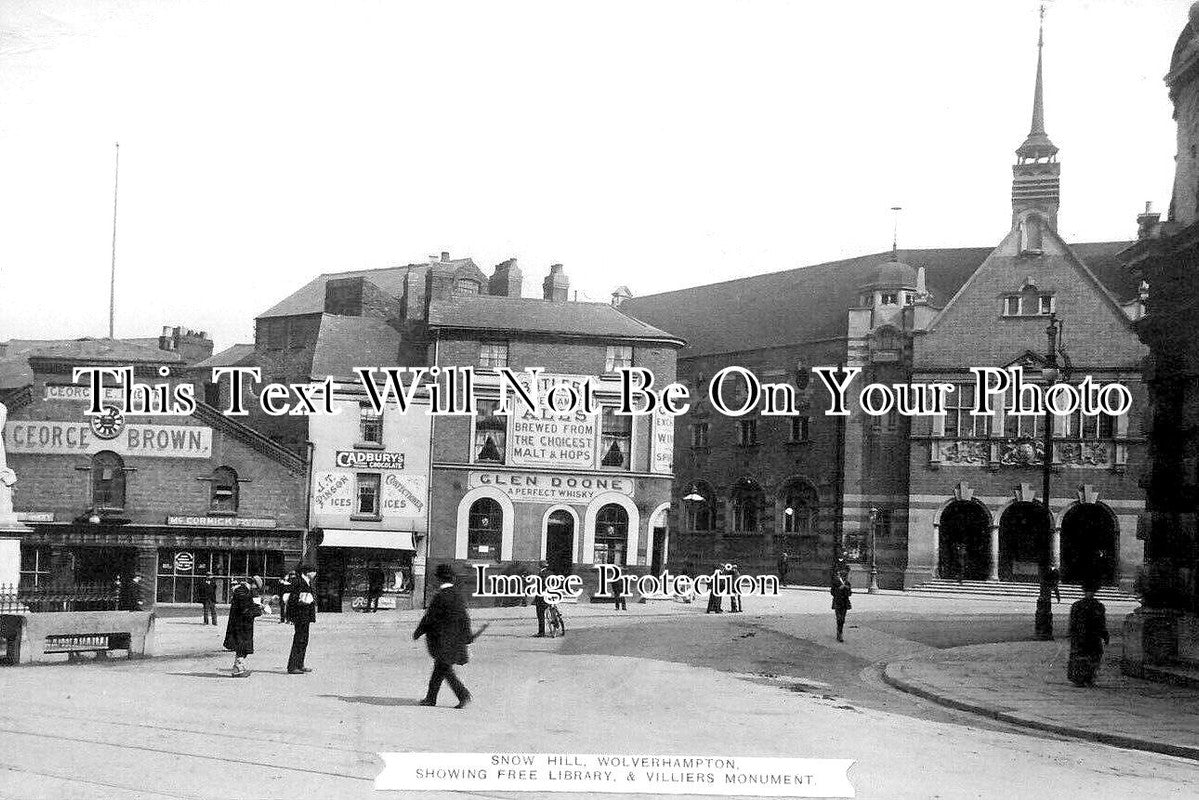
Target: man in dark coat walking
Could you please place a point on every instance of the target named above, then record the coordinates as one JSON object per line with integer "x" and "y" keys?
{"x": 1088, "y": 635}
{"x": 208, "y": 599}
{"x": 841, "y": 590}
{"x": 301, "y": 610}
{"x": 446, "y": 628}
{"x": 244, "y": 607}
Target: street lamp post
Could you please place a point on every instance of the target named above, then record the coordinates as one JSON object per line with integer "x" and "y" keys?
{"x": 873, "y": 588}
{"x": 1043, "y": 622}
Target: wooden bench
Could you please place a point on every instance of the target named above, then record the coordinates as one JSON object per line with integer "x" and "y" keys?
{"x": 31, "y": 637}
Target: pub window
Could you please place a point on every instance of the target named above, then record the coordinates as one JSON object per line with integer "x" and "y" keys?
{"x": 368, "y": 494}
{"x": 493, "y": 355}
{"x": 611, "y": 535}
{"x": 370, "y": 425}
{"x": 224, "y": 491}
{"x": 799, "y": 429}
{"x": 491, "y": 432}
{"x": 747, "y": 432}
{"x": 108, "y": 480}
{"x": 699, "y": 434}
{"x": 619, "y": 356}
{"x": 484, "y": 526}
{"x": 616, "y": 439}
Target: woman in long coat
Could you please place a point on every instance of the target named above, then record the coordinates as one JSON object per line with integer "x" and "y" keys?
{"x": 244, "y": 607}
{"x": 1088, "y": 635}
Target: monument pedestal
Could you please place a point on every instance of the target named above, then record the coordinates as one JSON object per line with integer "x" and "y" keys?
{"x": 10, "y": 551}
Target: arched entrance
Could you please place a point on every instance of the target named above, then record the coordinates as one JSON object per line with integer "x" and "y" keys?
{"x": 1089, "y": 537}
{"x": 560, "y": 542}
{"x": 964, "y": 542}
{"x": 1023, "y": 541}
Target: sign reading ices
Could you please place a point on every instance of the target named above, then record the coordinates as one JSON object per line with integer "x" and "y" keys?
{"x": 77, "y": 438}
{"x": 546, "y": 438}
{"x": 401, "y": 496}
{"x": 537, "y": 488}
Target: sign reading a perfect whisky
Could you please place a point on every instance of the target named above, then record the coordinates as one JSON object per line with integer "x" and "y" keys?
{"x": 77, "y": 438}
{"x": 549, "y": 438}
{"x": 528, "y": 487}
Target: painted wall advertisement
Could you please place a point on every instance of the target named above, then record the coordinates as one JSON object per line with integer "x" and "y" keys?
{"x": 402, "y": 497}
{"x": 540, "y": 488}
{"x": 662, "y": 445}
{"x": 77, "y": 438}
{"x": 549, "y": 439}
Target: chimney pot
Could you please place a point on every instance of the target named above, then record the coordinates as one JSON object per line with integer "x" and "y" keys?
{"x": 445, "y": 255}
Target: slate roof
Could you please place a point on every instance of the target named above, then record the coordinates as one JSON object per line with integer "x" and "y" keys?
{"x": 234, "y": 356}
{"x": 811, "y": 303}
{"x": 344, "y": 343}
{"x": 530, "y": 315}
{"x": 123, "y": 350}
{"x": 310, "y": 298}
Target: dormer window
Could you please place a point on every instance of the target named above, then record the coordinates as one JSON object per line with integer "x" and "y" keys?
{"x": 1011, "y": 306}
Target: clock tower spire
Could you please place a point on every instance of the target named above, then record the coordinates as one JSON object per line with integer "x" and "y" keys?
{"x": 1036, "y": 175}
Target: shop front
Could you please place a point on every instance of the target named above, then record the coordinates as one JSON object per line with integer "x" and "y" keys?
{"x": 352, "y": 562}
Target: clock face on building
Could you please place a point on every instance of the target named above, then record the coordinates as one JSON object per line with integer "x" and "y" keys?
{"x": 108, "y": 425}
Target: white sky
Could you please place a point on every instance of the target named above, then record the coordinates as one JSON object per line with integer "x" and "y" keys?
{"x": 655, "y": 144}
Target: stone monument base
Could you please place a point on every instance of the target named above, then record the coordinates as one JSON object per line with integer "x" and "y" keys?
{"x": 1161, "y": 644}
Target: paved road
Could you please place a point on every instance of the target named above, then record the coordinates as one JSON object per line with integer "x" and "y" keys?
{"x": 657, "y": 681}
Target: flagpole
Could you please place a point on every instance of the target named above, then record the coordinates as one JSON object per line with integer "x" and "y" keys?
{"x": 112, "y": 281}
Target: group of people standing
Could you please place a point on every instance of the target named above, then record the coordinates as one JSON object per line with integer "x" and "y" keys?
{"x": 297, "y": 604}
{"x": 716, "y": 600}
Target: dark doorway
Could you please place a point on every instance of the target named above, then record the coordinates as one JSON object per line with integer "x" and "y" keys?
{"x": 965, "y": 542}
{"x": 560, "y": 542}
{"x": 1023, "y": 542}
{"x": 102, "y": 565}
{"x": 659, "y": 549}
{"x": 1089, "y": 544}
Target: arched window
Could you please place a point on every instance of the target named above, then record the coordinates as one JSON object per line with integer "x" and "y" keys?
{"x": 701, "y": 514}
{"x": 108, "y": 480}
{"x": 224, "y": 491}
{"x": 485, "y": 524}
{"x": 747, "y": 503}
{"x": 611, "y": 534}
{"x": 799, "y": 508}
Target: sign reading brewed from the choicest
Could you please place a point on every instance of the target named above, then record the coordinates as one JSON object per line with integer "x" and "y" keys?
{"x": 529, "y": 487}
{"x": 551, "y": 439}
{"x": 45, "y": 437}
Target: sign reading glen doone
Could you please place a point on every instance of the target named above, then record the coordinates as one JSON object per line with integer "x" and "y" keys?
{"x": 538, "y": 488}
{"x": 76, "y": 438}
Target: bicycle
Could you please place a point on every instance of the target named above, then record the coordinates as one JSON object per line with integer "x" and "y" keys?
{"x": 554, "y": 621}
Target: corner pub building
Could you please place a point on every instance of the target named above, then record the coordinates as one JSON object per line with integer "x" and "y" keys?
{"x": 935, "y": 498}
{"x": 170, "y": 498}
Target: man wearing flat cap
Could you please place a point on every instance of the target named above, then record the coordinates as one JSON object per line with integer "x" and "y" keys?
{"x": 301, "y": 610}
{"x": 446, "y": 628}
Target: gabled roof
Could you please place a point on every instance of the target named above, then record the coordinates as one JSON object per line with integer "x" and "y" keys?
{"x": 310, "y": 298}
{"x": 529, "y": 315}
{"x": 812, "y": 303}
{"x": 234, "y": 356}
{"x": 344, "y": 343}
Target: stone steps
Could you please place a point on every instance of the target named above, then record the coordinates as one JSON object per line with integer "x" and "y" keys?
{"x": 1013, "y": 589}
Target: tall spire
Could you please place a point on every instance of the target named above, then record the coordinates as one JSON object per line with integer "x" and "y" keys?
{"x": 1038, "y": 145}
{"x": 1036, "y": 174}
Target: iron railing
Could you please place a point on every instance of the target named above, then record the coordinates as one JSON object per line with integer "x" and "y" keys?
{"x": 74, "y": 597}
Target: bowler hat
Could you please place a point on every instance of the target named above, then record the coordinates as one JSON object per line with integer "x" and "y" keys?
{"x": 256, "y": 580}
{"x": 444, "y": 572}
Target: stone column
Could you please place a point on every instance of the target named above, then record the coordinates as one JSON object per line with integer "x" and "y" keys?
{"x": 994, "y": 576}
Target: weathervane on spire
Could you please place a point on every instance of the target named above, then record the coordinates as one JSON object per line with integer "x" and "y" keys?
{"x": 895, "y": 233}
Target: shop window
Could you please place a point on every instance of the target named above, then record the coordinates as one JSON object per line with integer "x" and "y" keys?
{"x": 493, "y": 355}
{"x": 370, "y": 425}
{"x": 224, "y": 491}
{"x": 611, "y": 535}
{"x": 181, "y": 571}
{"x": 616, "y": 440}
{"x": 491, "y": 433}
{"x": 35, "y": 567}
{"x": 368, "y": 494}
{"x": 485, "y": 530}
{"x": 619, "y": 356}
{"x": 108, "y": 481}
{"x": 699, "y": 434}
{"x": 747, "y": 504}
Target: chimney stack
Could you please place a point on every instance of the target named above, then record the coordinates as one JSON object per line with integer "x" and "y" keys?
{"x": 507, "y": 280}
{"x": 556, "y": 286}
{"x": 445, "y": 256}
{"x": 1147, "y": 222}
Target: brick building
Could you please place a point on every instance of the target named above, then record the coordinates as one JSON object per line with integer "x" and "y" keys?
{"x": 496, "y": 493}
{"x": 810, "y": 485}
{"x": 172, "y": 498}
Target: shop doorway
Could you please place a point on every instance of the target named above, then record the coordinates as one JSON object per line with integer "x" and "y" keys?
{"x": 1023, "y": 542}
{"x": 964, "y": 542}
{"x": 658, "y": 554}
{"x": 1089, "y": 537}
{"x": 560, "y": 542}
